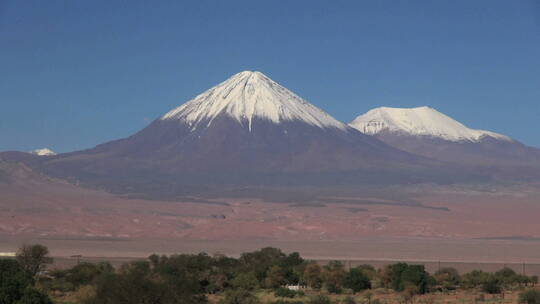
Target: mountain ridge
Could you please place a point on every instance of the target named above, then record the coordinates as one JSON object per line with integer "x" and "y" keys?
{"x": 246, "y": 131}
{"x": 425, "y": 131}
{"x": 249, "y": 132}
{"x": 419, "y": 121}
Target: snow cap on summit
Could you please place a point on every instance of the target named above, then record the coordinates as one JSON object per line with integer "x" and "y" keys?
{"x": 248, "y": 95}
{"x": 43, "y": 152}
{"x": 421, "y": 121}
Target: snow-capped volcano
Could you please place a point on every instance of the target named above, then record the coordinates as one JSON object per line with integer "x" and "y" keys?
{"x": 249, "y": 95}
{"x": 421, "y": 121}
{"x": 248, "y": 130}
{"x": 43, "y": 152}
{"x": 427, "y": 132}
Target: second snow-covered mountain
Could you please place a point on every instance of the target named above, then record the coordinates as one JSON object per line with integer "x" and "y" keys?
{"x": 428, "y": 132}
{"x": 421, "y": 122}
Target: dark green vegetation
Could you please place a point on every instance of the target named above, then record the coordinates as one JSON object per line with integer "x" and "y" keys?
{"x": 202, "y": 278}
{"x": 530, "y": 296}
{"x": 18, "y": 277}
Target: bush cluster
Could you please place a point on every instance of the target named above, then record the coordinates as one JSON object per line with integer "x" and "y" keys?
{"x": 17, "y": 286}
{"x": 189, "y": 278}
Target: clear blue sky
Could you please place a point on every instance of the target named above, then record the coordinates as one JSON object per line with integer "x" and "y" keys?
{"x": 74, "y": 74}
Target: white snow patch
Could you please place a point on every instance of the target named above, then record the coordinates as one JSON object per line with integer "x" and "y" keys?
{"x": 421, "y": 121}
{"x": 247, "y": 95}
{"x": 43, "y": 152}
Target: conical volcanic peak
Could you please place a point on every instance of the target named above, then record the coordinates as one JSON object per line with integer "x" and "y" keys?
{"x": 248, "y": 95}
{"x": 421, "y": 121}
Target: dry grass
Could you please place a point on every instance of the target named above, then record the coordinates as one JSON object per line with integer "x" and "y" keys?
{"x": 382, "y": 295}
{"x": 391, "y": 297}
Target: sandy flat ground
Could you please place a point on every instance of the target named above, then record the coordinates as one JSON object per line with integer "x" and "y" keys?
{"x": 464, "y": 255}
{"x": 446, "y": 224}
{"x": 373, "y": 249}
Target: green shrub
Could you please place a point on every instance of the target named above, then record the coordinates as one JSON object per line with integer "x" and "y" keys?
{"x": 34, "y": 296}
{"x": 529, "y": 296}
{"x": 138, "y": 283}
{"x": 60, "y": 285}
{"x": 13, "y": 281}
{"x": 447, "y": 278}
{"x": 283, "y": 292}
{"x": 239, "y": 296}
{"x": 85, "y": 273}
{"x": 275, "y": 277}
{"x": 356, "y": 280}
{"x": 492, "y": 285}
{"x": 33, "y": 258}
{"x": 402, "y": 275}
{"x": 333, "y": 276}
{"x": 313, "y": 276}
{"x": 246, "y": 281}
{"x": 368, "y": 270}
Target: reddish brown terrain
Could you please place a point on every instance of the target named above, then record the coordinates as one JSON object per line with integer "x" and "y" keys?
{"x": 454, "y": 224}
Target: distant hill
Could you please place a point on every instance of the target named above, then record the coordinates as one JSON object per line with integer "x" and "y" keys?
{"x": 425, "y": 131}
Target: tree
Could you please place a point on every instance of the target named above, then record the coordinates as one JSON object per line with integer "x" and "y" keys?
{"x": 529, "y": 296}
{"x": 261, "y": 261}
{"x": 416, "y": 275}
{"x": 275, "y": 277}
{"x": 293, "y": 266}
{"x": 34, "y": 296}
{"x": 292, "y": 260}
{"x": 33, "y": 258}
{"x": 507, "y": 277}
{"x": 368, "y": 270}
{"x": 356, "y": 280}
{"x": 13, "y": 281}
{"x": 312, "y": 276}
{"x": 447, "y": 278}
{"x": 474, "y": 278}
{"x": 402, "y": 275}
{"x": 392, "y": 276}
{"x": 85, "y": 273}
{"x": 16, "y": 285}
{"x": 132, "y": 285}
{"x": 139, "y": 283}
{"x": 247, "y": 281}
{"x": 333, "y": 276}
{"x": 492, "y": 285}
{"x": 283, "y": 292}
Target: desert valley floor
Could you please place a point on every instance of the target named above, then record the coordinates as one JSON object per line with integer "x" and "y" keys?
{"x": 491, "y": 225}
